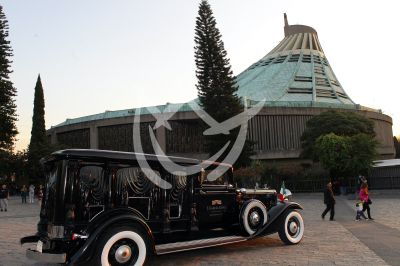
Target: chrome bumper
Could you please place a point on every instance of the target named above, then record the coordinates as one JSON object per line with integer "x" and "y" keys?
{"x": 46, "y": 257}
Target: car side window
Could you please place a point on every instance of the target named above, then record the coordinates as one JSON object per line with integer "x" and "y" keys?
{"x": 133, "y": 180}
{"x": 135, "y": 189}
{"x": 93, "y": 186}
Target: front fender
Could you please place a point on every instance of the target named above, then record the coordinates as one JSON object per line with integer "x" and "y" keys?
{"x": 86, "y": 251}
{"x": 273, "y": 217}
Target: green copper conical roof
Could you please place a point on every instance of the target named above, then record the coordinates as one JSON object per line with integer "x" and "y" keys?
{"x": 296, "y": 70}
{"x": 295, "y": 73}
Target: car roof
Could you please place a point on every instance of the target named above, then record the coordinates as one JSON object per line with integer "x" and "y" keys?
{"x": 116, "y": 155}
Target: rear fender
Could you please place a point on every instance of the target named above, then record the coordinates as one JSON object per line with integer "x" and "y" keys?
{"x": 86, "y": 252}
{"x": 273, "y": 218}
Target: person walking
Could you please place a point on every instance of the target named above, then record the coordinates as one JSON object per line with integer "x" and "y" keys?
{"x": 329, "y": 200}
{"x": 24, "y": 192}
{"x": 31, "y": 193}
{"x": 4, "y": 195}
{"x": 364, "y": 197}
{"x": 361, "y": 180}
{"x": 359, "y": 208}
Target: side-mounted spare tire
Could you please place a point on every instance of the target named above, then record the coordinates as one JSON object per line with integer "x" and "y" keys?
{"x": 123, "y": 246}
{"x": 253, "y": 215}
{"x": 291, "y": 227}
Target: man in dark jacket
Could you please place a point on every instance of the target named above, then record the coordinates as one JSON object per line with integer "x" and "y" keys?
{"x": 329, "y": 200}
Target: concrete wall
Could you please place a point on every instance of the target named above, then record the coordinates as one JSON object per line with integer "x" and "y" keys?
{"x": 276, "y": 130}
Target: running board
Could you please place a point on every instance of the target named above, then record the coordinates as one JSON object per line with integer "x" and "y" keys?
{"x": 197, "y": 244}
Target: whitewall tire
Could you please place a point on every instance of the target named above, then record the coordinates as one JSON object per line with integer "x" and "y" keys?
{"x": 122, "y": 246}
{"x": 291, "y": 229}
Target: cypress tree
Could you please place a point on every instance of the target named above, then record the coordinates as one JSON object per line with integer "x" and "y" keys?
{"x": 38, "y": 132}
{"x": 216, "y": 83}
{"x": 38, "y": 146}
{"x": 8, "y": 116}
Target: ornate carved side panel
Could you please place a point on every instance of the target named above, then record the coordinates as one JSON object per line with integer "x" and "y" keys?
{"x": 134, "y": 189}
{"x": 79, "y": 139}
{"x": 178, "y": 204}
{"x": 93, "y": 187}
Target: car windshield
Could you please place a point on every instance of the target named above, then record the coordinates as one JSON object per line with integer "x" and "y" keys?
{"x": 220, "y": 179}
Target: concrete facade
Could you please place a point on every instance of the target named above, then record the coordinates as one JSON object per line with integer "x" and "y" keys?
{"x": 276, "y": 131}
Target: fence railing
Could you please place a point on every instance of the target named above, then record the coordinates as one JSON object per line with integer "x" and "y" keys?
{"x": 306, "y": 185}
{"x": 318, "y": 185}
{"x": 384, "y": 182}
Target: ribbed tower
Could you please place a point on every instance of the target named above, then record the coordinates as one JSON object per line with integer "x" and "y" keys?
{"x": 296, "y": 70}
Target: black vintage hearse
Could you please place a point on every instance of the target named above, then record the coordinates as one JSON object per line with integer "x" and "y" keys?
{"x": 100, "y": 208}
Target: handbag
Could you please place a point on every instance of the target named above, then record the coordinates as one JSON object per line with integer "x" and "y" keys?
{"x": 369, "y": 201}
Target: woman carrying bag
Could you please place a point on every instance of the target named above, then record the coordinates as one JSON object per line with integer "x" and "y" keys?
{"x": 364, "y": 197}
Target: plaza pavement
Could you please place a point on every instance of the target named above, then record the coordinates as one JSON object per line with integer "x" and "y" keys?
{"x": 340, "y": 242}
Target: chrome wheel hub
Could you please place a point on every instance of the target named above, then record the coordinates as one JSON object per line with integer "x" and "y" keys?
{"x": 254, "y": 218}
{"x": 123, "y": 254}
{"x": 293, "y": 227}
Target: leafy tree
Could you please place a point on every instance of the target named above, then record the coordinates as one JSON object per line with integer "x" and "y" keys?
{"x": 8, "y": 116}
{"x": 216, "y": 84}
{"x": 18, "y": 164}
{"x": 334, "y": 153}
{"x": 339, "y": 123}
{"x": 396, "y": 146}
{"x": 38, "y": 146}
{"x": 346, "y": 156}
{"x": 362, "y": 154}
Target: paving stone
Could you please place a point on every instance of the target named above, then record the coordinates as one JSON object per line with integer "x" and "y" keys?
{"x": 325, "y": 242}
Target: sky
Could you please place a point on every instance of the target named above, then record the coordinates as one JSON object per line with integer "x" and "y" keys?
{"x": 98, "y": 55}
